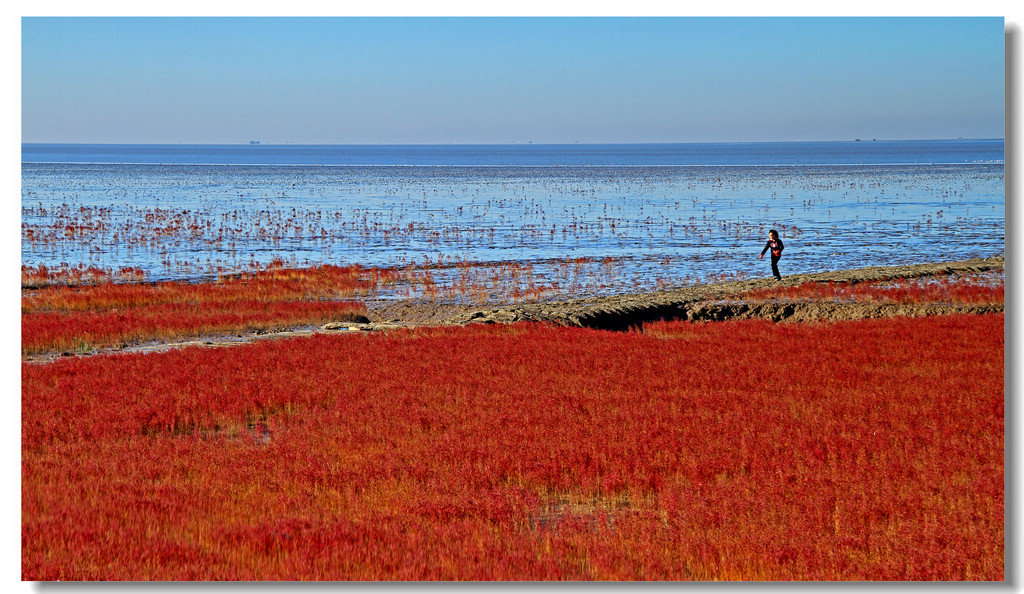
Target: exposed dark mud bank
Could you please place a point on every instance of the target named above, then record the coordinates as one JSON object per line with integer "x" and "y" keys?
{"x": 626, "y": 319}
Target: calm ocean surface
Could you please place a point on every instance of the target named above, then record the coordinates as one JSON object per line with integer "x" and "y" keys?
{"x": 530, "y": 155}
{"x": 660, "y": 214}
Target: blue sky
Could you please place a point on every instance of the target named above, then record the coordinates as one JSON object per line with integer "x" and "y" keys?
{"x": 502, "y": 80}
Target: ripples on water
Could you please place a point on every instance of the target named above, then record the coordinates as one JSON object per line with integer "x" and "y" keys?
{"x": 636, "y": 227}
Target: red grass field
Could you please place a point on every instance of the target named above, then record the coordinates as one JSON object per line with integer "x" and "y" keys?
{"x": 102, "y": 313}
{"x": 867, "y": 450}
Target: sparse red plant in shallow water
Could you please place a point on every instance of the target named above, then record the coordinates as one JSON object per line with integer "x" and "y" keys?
{"x": 273, "y": 284}
{"x": 867, "y": 450}
{"x": 65, "y": 274}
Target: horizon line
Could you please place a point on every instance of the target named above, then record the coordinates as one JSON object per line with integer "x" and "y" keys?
{"x": 530, "y": 143}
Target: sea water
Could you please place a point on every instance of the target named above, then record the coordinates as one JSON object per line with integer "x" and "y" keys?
{"x": 664, "y": 214}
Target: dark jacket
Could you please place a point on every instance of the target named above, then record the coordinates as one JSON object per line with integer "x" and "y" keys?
{"x": 775, "y": 246}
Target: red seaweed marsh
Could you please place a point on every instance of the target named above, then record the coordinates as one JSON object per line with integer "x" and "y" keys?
{"x": 512, "y": 371}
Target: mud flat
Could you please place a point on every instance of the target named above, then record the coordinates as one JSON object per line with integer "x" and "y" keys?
{"x": 700, "y": 303}
{"x": 703, "y": 303}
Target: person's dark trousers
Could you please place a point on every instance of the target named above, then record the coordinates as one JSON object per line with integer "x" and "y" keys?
{"x": 775, "y": 268}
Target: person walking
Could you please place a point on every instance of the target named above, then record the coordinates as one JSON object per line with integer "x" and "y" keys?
{"x": 775, "y": 245}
